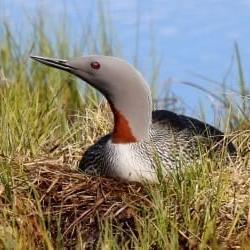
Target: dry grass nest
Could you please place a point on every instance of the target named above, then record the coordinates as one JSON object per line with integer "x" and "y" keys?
{"x": 79, "y": 205}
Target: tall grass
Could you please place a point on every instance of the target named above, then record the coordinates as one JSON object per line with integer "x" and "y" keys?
{"x": 46, "y": 115}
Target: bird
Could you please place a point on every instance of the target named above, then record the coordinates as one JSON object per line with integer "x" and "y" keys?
{"x": 143, "y": 143}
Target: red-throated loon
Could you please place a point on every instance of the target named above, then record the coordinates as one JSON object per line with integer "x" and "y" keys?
{"x": 141, "y": 140}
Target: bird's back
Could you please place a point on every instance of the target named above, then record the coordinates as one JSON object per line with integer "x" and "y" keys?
{"x": 184, "y": 126}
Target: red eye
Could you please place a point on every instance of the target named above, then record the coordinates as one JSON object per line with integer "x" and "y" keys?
{"x": 95, "y": 65}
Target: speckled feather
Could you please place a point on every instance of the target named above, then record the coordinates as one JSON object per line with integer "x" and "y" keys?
{"x": 173, "y": 139}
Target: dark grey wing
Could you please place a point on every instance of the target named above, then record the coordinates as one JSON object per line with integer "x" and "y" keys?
{"x": 90, "y": 161}
{"x": 208, "y": 131}
{"x": 168, "y": 119}
{"x": 196, "y": 127}
{"x": 201, "y": 128}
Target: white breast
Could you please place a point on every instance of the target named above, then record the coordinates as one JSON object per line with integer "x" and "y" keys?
{"x": 129, "y": 166}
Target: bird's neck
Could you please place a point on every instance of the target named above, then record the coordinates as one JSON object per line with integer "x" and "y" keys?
{"x": 122, "y": 132}
{"x": 132, "y": 112}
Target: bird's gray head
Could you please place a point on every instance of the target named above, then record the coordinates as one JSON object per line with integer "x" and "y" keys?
{"x": 124, "y": 87}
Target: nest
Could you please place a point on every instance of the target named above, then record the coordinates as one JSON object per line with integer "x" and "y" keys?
{"x": 73, "y": 207}
{"x": 81, "y": 204}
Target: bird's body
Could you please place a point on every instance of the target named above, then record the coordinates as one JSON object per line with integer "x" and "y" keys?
{"x": 143, "y": 144}
{"x": 174, "y": 140}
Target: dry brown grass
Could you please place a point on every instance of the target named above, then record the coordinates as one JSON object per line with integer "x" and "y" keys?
{"x": 52, "y": 206}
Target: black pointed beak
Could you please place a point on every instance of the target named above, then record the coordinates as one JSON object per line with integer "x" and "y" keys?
{"x": 53, "y": 62}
